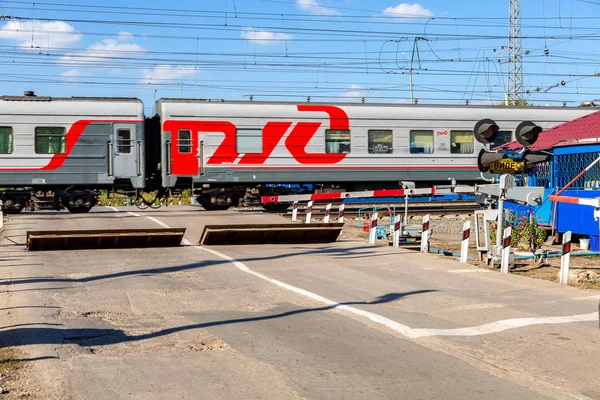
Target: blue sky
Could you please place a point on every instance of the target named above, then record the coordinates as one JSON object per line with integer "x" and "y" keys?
{"x": 330, "y": 50}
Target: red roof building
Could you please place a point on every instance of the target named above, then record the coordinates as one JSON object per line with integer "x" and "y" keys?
{"x": 578, "y": 131}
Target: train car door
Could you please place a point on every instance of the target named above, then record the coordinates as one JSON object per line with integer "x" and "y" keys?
{"x": 126, "y": 151}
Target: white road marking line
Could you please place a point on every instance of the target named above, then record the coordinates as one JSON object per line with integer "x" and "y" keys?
{"x": 467, "y": 271}
{"x": 115, "y": 209}
{"x": 499, "y": 326}
{"x": 493, "y": 327}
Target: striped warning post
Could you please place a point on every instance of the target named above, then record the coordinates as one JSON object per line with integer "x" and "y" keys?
{"x": 309, "y": 212}
{"x": 396, "y": 234}
{"x": 341, "y": 214}
{"x": 327, "y": 213}
{"x": 505, "y": 250}
{"x": 295, "y": 212}
{"x": 464, "y": 249}
{"x": 425, "y": 234}
{"x": 373, "y": 229}
{"x": 565, "y": 258}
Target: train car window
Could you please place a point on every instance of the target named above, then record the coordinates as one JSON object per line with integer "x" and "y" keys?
{"x": 50, "y": 140}
{"x": 123, "y": 141}
{"x": 461, "y": 142}
{"x": 380, "y": 141}
{"x": 421, "y": 142}
{"x": 184, "y": 141}
{"x": 337, "y": 142}
{"x": 6, "y": 140}
{"x": 249, "y": 141}
{"x": 503, "y": 137}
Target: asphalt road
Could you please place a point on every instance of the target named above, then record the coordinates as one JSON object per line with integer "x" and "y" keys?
{"x": 337, "y": 321}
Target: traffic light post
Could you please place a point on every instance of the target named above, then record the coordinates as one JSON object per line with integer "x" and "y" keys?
{"x": 500, "y": 162}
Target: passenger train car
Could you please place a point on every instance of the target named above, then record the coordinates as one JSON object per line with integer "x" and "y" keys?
{"x": 76, "y": 146}
{"x": 227, "y": 146}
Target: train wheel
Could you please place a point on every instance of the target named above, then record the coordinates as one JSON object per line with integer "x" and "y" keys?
{"x": 79, "y": 210}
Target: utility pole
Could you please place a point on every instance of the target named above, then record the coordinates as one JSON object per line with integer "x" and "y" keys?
{"x": 515, "y": 59}
{"x": 410, "y": 60}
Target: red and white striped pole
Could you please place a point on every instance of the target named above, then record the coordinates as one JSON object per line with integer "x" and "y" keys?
{"x": 425, "y": 234}
{"x": 565, "y": 258}
{"x": 309, "y": 212}
{"x": 295, "y": 212}
{"x": 505, "y": 250}
{"x": 327, "y": 213}
{"x": 396, "y": 233}
{"x": 464, "y": 249}
{"x": 373, "y": 230}
{"x": 341, "y": 214}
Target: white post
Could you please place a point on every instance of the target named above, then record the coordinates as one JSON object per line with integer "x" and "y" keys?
{"x": 295, "y": 212}
{"x": 396, "y": 234}
{"x": 1, "y": 215}
{"x": 309, "y": 212}
{"x": 505, "y": 250}
{"x": 327, "y": 213}
{"x": 464, "y": 249}
{"x": 373, "y": 230}
{"x": 425, "y": 233}
{"x": 406, "y": 210}
{"x": 565, "y": 258}
{"x": 341, "y": 215}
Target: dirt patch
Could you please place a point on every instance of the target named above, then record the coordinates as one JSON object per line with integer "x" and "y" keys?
{"x": 13, "y": 376}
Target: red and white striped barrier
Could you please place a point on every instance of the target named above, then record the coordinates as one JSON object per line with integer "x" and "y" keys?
{"x": 341, "y": 214}
{"x": 464, "y": 248}
{"x": 373, "y": 230}
{"x": 396, "y": 232}
{"x": 309, "y": 212}
{"x": 576, "y": 200}
{"x": 425, "y": 234}
{"x": 505, "y": 250}
{"x": 295, "y": 212}
{"x": 327, "y": 213}
{"x": 565, "y": 258}
{"x": 353, "y": 195}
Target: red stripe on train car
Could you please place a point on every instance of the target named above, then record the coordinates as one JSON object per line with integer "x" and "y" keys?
{"x": 72, "y": 137}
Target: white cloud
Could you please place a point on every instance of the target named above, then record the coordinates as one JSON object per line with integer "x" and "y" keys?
{"x": 46, "y": 35}
{"x": 103, "y": 51}
{"x": 353, "y": 91}
{"x": 408, "y": 11}
{"x": 125, "y": 35}
{"x": 264, "y": 37}
{"x": 72, "y": 73}
{"x": 167, "y": 73}
{"x": 313, "y": 7}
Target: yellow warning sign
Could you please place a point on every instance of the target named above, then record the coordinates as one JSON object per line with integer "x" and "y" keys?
{"x": 507, "y": 165}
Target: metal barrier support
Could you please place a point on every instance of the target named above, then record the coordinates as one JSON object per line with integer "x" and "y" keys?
{"x": 565, "y": 258}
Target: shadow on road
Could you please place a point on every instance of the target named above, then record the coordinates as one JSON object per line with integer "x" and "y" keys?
{"x": 22, "y": 336}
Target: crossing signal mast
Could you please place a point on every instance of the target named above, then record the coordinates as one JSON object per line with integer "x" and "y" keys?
{"x": 515, "y": 95}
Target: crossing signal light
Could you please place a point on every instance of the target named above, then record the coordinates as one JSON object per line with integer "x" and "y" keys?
{"x": 527, "y": 133}
{"x": 486, "y": 158}
{"x": 485, "y": 131}
{"x": 531, "y": 158}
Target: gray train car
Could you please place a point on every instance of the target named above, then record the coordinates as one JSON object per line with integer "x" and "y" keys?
{"x": 70, "y": 146}
{"x": 225, "y": 147}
